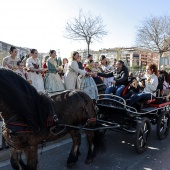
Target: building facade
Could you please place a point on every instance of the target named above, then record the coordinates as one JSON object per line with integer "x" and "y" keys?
{"x": 133, "y": 57}
{"x": 4, "y": 51}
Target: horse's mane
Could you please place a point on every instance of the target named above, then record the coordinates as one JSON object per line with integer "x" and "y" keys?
{"x": 24, "y": 99}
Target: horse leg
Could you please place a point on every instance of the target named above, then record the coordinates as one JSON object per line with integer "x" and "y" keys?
{"x": 73, "y": 156}
{"x": 91, "y": 152}
{"x": 16, "y": 160}
{"x": 32, "y": 158}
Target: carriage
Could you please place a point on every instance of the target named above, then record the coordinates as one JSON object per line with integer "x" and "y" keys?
{"x": 115, "y": 111}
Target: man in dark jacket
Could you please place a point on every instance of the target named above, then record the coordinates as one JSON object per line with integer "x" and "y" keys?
{"x": 120, "y": 79}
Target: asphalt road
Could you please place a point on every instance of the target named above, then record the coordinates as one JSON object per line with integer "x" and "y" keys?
{"x": 120, "y": 154}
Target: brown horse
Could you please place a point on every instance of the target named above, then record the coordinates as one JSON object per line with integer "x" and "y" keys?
{"x": 28, "y": 119}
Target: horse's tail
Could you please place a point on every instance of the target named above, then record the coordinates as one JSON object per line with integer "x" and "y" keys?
{"x": 99, "y": 143}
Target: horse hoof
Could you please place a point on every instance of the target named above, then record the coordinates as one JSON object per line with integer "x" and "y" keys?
{"x": 89, "y": 161}
{"x": 71, "y": 165}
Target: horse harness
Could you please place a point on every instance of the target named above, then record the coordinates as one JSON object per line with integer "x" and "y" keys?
{"x": 89, "y": 120}
{"x": 19, "y": 127}
{"x": 16, "y": 127}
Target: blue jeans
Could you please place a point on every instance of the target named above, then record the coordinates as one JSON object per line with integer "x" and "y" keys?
{"x": 140, "y": 96}
{"x": 117, "y": 90}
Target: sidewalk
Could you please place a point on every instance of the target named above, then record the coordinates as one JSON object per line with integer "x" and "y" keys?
{"x": 4, "y": 154}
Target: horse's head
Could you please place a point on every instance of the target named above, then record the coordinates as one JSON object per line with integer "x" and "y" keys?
{"x": 5, "y": 111}
{"x": 9, "y": 86}
{"x": 22, "y": 99}
{"x": 2, "y": 106}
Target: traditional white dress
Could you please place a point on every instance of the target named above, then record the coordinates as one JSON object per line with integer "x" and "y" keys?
{"x": 10, "y": 62}
{"x": 65, "y": 68}
{"x": 70, "y": 77}
{"x": 107, "y": 81}
{"x": 88, "y": 85}
{"x": 23, "y": 74}
{"x": 35, "y": 77}
{"x": 52, "y": 80}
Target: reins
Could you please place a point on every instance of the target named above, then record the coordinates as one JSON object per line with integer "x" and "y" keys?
{"x": 83, "y": 127}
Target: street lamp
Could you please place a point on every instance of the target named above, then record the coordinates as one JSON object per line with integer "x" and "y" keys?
{"x": 58, "y": 51}
{"x": 127, "y": 60}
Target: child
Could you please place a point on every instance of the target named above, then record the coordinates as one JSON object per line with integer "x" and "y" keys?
{"x": 132, "y": 89}
{"x": 44, "y": 65}
{"x": 20, "y": 71}
{"x": 93, "y": 68}
{"x": 88, "y": 84}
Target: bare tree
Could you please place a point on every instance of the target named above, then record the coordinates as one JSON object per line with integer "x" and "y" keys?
{"x": 154, "y": 34}
{"x": 85, "y": 27}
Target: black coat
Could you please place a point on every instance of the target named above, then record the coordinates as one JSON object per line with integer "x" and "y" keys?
{"x": 80, "y": 65}
{"x": 121, "y": 77}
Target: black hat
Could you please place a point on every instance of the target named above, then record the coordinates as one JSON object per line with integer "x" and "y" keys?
{"x": 102, "y": 57}
{"x": 89, "y": 55}
{"x": 120, "y": 61}
{"x": 132, "y": 79}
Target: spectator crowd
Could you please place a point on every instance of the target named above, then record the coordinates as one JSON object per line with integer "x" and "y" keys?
{"x": 54, "y": 74}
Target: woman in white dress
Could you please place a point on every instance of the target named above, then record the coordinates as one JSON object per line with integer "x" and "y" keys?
{"x": 11, "y": 61}
{"x": 65, "y": 65}
{"x": 22, "y": 72}
{"x": 34, "y": 71}
{"x": 88, "y": 84}
{"x": 70, "y": 77}
{"x": 85, "y": 83}
{"x": 106, "y": 69}
{"x": 52, "y": 80}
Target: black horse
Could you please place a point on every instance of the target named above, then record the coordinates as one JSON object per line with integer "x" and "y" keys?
{"x": 28, "y": 119}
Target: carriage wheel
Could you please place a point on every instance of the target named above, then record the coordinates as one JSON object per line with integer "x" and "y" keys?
{"x": 142, "y": 136}
{"x": 163, "y": 125}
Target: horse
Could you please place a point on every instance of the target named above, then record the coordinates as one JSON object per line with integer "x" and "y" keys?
{"x": 29, "y": 120}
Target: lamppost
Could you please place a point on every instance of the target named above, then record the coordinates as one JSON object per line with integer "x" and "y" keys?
{"x": 127, "y": 60}
{"x": 58, "y": 51}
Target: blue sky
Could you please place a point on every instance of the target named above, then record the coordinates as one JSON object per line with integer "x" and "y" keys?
{"x": 40, "y": 23}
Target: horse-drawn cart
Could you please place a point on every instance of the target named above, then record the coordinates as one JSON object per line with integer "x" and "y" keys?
{"x": 128, "y": 119}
